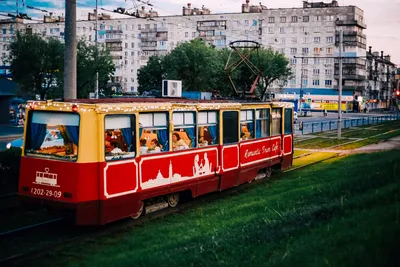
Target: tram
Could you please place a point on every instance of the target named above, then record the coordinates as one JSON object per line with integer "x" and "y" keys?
{"x": 110, "y": 159}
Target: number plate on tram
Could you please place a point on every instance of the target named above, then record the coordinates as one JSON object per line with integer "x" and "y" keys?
{"x": 46, "y": 192}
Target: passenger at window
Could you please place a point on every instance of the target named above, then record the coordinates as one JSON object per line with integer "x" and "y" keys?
{"x": 243, "y": 137}
{"x": 114, "y": 148}
{"x": 155, "y": 146}
{"x": 143, "y": 148}
{"x": 178, "y": 143}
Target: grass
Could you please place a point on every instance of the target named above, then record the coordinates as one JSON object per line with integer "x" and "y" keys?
{"x": 324, "y": 143}
{"x": 341, "y": 213}
{"x": 297, "y": 153}
{"x": 314, "y": 157}
{"x": 370, "y": 141}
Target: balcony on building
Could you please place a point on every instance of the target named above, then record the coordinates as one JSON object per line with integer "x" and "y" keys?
{"x": 351, "y": 22}
{"x": 209, "y": 25}
{"x": 352, "y": 38}
{"x": 148, "y": 46}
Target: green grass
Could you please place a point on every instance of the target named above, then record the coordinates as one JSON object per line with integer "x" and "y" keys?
{"x": 324, "y": 143}
{"x": 341, "y": 213}
{"x": 370, "y": 141}
{"x": 314, "y": 157}
{"x": 297, "y": 153}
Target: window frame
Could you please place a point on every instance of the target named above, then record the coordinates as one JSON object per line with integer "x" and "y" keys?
{"x": 280, "y": 120}
{"x": 184, "y": 126}
{"x": 285, "y": 132}
{"x": 217, "y": 124}
{"x": 267, "y": 118}
{"x": 237, "y": 127}
{"x": 253, "y": 120}
{"x": 133, "y": 121}
{"x": 26, "y": 140}
{"x": 153, "y": 127}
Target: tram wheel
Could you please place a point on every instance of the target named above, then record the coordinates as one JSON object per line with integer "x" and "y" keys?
{"x": 268, "y": 172}
{"x": 139, "y": 213}
{"x": 173, "y": 199}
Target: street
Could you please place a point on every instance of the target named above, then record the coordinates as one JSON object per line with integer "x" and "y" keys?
{"x": 9, "y": 133}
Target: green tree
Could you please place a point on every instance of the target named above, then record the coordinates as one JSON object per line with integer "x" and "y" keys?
{"x": 194, "y": 63}
{"x": 150, "y": 76}
{"x": 36, "y": 63}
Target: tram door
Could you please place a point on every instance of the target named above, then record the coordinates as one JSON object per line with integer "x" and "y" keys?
{"x": 230, "y": 149}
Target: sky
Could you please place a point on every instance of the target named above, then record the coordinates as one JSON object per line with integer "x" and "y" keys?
{"x": 381, "y": 16}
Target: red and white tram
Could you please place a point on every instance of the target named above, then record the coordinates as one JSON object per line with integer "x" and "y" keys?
{"x": 107, "y": 159}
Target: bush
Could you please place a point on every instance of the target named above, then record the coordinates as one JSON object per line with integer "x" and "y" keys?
{"x": 9, "y": 170}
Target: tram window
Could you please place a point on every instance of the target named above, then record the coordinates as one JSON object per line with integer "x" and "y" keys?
{"x": 208, "y": 128}
{"x": 288, "y": 120}
{"x": 53, "y": 135}
{"x": 276, "y": 121}
{"x": 184, "y": 135}
{"x": 246, "y": 124}
{"x": 262, "y": 123}
{"x": 230, "y": 127}
{"x": 119, "y": 136}
{"x": 153, "y": 132}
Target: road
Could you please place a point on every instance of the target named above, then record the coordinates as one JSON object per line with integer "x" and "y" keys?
{"x": 318, "y": 116}
{"x": 9, "y": 133}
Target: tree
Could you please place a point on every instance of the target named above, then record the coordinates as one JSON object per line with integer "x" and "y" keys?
{"x": 274, "y": 66}
{"x": 194, "y": 63}
{"x": 150, "y": 76}
{"x": 36, "y": 63}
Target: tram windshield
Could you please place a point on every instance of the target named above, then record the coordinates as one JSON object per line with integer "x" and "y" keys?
{"x": 53, "y": 135}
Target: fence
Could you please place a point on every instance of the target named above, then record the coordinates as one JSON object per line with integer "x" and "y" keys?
{"x": 322, "y": 126}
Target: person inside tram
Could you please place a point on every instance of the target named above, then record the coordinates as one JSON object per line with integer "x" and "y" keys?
{"x": 143, "y": 148}
{"x": 155, "y": 146}
{"x": 178, "y": 143}
{"x": 114, "y": 148}
{"x": 243, "y": 137}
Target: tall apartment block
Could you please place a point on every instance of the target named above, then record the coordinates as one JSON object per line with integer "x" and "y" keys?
{"x": 308, "y": 36}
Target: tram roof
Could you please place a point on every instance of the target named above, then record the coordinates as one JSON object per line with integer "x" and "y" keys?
{"x": 156, "y": 103}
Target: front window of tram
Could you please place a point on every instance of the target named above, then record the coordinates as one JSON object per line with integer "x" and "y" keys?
{"x": 53, "y": 135}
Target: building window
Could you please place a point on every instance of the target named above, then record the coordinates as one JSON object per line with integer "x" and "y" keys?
{"x": 208, "y": 128}
{"x": 283, "y": 19}
{"x": 315, "y": 71}
{"x": 305, "y": 40}
{"x": 315, "y": 82}
{"x": 305, "y": 61}
{"x": 282, "y": 29}
{"x": 193, "y": 34}
{"x": 317, "y": 50}
{"x": 186, "y": 34}
{"x": 262, "y": 123}
{"x": 317, "y": 40}
{"x": 288, "y": 121}
{"x": 304, "y": 72}
{"x": 270, "y": 30}
{"x": 317, "y": 29}
{"x": 132, "y": 45}
{"x": 293, "y": 40}
{"x": 293, "y": 51}
{"x": 329, "y": 50}
{"x": 293, "y": 81}
{"x": 294, "y": 18}
{"x": 293, "y": 61}
{"x": 328, "y": 82}
{"x": 305, "y": 82}
{"x": 328, "y": 72}
{"x": 317, "y": 18}
{"x": 271, "y": 20}
{"x": 329, "y": 39}
{"x": 316, "y": 61}
{"x": 304, "y": 50}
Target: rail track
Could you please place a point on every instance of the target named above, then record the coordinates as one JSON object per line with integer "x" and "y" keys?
{"x": 83, "y": 233}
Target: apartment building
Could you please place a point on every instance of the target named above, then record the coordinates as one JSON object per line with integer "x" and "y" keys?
{"x": 308, "y": 36}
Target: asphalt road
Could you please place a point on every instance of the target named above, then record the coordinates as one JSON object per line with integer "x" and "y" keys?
{"x": 9, "y": 133}
{"x": 319, "y": 116}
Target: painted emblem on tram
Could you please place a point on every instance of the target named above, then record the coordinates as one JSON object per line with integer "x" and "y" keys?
{"x": 200, "y": 168}
{"x": 46, "y": 178}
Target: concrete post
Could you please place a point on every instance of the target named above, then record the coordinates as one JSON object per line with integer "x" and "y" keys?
{"x": 70, "y": 50}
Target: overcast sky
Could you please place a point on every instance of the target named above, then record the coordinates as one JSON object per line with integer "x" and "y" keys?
{"x": 382, "y": 16}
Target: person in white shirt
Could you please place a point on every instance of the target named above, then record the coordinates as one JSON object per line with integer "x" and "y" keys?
{"x": 143, "y": 148}
{"x": 115, "y": 149}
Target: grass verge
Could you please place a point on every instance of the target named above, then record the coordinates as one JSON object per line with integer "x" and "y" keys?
{"x": 341, "y": 213}
{"x": 370, "y": 141}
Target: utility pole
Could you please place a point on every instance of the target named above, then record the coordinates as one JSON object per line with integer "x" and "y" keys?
{"x": 301, "y": 87}
{"x": 340, "y": 84}
{"x": 70, "y": 50}
{"x": 97, "y": 55}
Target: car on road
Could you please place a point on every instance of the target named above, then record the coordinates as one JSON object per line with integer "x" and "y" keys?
{"x": 15, "y": 143}
{"x": 295, "y": 117}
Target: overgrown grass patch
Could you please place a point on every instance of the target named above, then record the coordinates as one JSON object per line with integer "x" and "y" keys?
{"x": 342, "y": 213}
{"x": 325, "y": 143}
{"x": 314, "y": 157}
{"x": 370, "y": 141}
{"x": 297, "y": 153}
